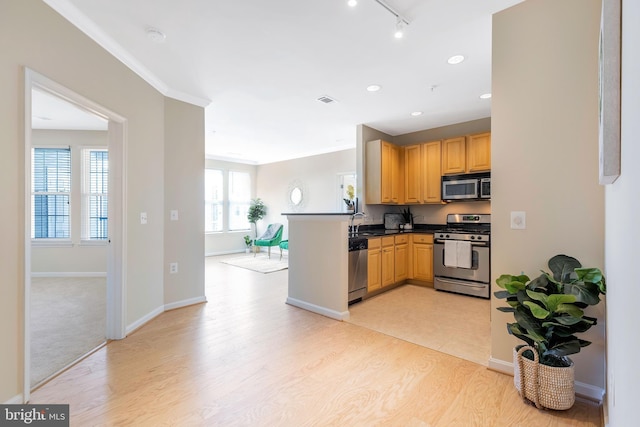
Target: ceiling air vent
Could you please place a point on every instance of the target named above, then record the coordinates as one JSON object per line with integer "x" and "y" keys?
{"x": 326, "y": 99}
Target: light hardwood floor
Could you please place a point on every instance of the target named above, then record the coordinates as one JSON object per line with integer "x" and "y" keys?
{"x": 246, "y": 358}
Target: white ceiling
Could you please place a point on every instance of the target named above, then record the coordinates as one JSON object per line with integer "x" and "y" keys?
{"x": 259, "y": 66}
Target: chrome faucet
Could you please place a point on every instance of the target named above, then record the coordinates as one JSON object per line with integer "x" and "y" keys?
{"x": 357, "y": 214}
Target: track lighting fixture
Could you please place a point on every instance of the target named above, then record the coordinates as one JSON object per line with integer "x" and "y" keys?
{"x": 401, "y": 22}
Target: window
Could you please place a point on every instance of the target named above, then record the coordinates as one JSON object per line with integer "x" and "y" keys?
{"x": 51, "y": 191}
{"x": 239, "y": 200}
{"x": 95, "y": 186}
{"x": 227, "y": 199}
{"x": 213, "y": 200}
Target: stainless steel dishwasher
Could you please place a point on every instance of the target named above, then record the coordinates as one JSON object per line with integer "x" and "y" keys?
{"x": 358, "y": 247}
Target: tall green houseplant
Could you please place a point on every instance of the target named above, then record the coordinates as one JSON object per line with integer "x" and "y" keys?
{"x": 257, "y": 211}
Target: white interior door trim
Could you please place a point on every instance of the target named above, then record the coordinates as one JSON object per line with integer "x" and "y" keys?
{"x": 116, "y": 252}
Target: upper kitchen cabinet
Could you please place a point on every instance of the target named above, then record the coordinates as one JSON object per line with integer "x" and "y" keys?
{"x": 431, "y": 172}
{"x": 383, "y": 173}
{"x": 466, "y": 154}
{"x": 479, "y": 152}
{"x": 413, "y": 172}
{"x": 422, "y": 172}
{"x": 454, "y": 155}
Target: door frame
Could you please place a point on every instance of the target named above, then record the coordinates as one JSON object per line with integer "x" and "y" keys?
{"x": 116, "y": 247}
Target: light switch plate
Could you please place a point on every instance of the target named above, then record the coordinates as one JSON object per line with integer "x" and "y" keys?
{"x": 173, "y": 215}
{"x": 518, "y": 220}
{"x": 173, "y": 267}
{"x": 143, "y": 218}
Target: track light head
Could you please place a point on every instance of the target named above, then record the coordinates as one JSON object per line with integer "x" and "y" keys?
{"x": 399, "y": 29}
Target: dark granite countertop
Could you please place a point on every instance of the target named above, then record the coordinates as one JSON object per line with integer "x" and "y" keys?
{"x": 379, "y": 230}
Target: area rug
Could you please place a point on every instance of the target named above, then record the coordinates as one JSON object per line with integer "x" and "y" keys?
{"x": 260, "y": 263}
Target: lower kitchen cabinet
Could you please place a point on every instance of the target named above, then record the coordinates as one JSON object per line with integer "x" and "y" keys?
{"x": 374, "y": 265}
{"x": 388, "y": 261}
{"x": 422, "y": 257}
{"x": 401, "y": 258}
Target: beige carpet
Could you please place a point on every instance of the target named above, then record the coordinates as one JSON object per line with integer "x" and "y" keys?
{"x": 68, "y": 319}
{"x": 454, "y": 324}
{"x": 260, "y": 263}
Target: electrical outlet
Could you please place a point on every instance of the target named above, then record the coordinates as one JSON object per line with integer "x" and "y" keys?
{"x": 173, "y": 267}
{"x": 143, "y": 218}
{"x": 173, "y": 215}
{"x": 518, "y": 220}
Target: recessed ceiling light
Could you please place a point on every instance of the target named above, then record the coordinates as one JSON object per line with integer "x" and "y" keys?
{"x": 455, "y": 59}
{"x": 485, "y": 96}
{"x": 416, "y": 113}
{"x": 374, "y": 88}
{"x": 352, "y": 3}
{"x": 156, "y": 35}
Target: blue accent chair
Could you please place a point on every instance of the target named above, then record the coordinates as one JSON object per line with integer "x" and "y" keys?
{"x": 271, "y": 237}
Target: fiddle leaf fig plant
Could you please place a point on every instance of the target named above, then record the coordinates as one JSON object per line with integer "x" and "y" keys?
{"x": 549, "y": 310}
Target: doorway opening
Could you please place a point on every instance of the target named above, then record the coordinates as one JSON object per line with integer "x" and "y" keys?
{"x": 74, "y": 226}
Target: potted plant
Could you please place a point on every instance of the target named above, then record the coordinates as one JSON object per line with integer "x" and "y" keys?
{"x": 257, "y": 211}
{"x": 248, "y": 242}
{"x": 548, "y": 313}
{"x": 351, "y": 206}
{"x": 407, "y": 217}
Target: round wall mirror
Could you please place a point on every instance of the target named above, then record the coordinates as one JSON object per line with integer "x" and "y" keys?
{"x": 296, "y": 196}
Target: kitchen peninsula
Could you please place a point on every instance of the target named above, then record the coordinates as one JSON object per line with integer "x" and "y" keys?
{"x": 318, "y": 269}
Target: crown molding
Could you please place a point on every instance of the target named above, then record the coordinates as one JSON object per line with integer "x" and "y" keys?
{"x": 72, "y": 14}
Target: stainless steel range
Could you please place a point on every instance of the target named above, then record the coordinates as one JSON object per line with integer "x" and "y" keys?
{"x": 461, "y": 255}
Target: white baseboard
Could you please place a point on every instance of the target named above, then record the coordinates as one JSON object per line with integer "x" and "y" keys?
{"x": 70, "y": 274}
{"x": 337, "y": 315}
{"x": 185, "y": 303}
{"x": 224, "y": 252}
{"x": 140, "y": 322}
{"x": 583, "y": 390}
{"x": 15, "y": 400}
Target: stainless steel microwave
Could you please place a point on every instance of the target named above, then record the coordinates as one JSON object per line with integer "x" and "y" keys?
{"x": 466, "y": 187}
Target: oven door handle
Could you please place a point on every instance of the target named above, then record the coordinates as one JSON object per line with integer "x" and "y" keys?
{"x": 474, "y": 244}
{"x": 457, "y": 282}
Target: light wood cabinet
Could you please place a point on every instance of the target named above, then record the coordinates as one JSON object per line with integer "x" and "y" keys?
{"x": 422, "y": 257}
{"x": 413, "y": 173}
{"x": 467, "y": 154}
{"x": 454, "y": 155}
{"x": 422, "y": 170}
{"x": 374, "y": 265}
{"x": 401, "y": 258}
{"x": 431, "y": 172}
{"x": 384, "y": 181}
{"x": 479, "y": 152}
{"x": 388, "y": 261}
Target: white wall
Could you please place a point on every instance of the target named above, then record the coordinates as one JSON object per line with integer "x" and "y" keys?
{"x": 622, "y": 235}
{"x": 545, "y": 153}
{"x": 318, "y": 176}
{"x": 76, "y": 258}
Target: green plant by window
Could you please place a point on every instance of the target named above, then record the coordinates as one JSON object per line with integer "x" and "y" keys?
{"x": 257, "y": 211}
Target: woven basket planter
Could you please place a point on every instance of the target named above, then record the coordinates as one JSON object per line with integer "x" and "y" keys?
{"x": 545, "y": 386}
